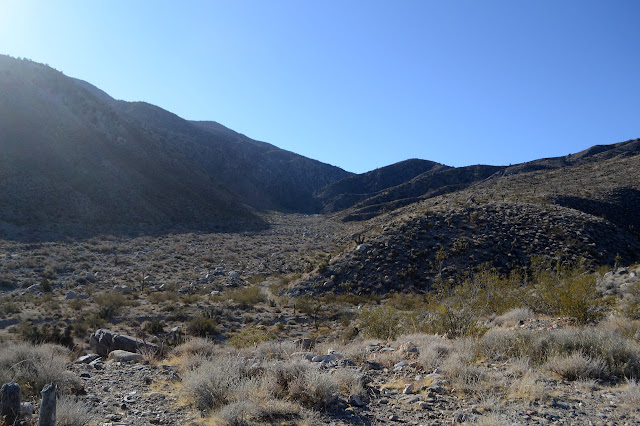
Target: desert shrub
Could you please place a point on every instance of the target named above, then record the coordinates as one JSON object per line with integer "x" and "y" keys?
{"x": 631, "y": 307}
{"x": 303, "y": 383}
{"x": 34, "y": 366}
{"x": 45, "y": 333}
{"x": 350, "y": 381}
{"x": 247, "y": 296}
{"x": 576, "y": 366}
{"x": 238, "y": 413}
{"x": 155, "y": 326}
{"x": 77, "y": 304}
{"x": 460, "y": 368}
{"x": 620, "y": 355}
{"x": 432, "y": 355}
{"x": 251, "y": 336}
{"x": 163, "y": 296}
{"x": 7, "y": 307}
{"x": 453, "y": 319}
{"x": 314, "y": 389}
{"x": 202, "y": 327}
{"x": 213, "y": 383}
{"x": 196, "y": 346}
{"x": 190, "y": 299}
{"x": 561, "y": 290}
{"x": 70, "y": 412}
{"x": 380, "y": 322}
{"x": 630, "y": 396}
{"x": 110, "y": 305}
{"x": 529, "y": 387}
{"x": 271, "y": 350}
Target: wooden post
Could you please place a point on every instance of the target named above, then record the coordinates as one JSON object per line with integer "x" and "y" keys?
{"x": 9, "y": 403}
{"x": 48, "y": 407}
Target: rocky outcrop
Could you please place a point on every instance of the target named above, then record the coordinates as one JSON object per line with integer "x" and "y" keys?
{"x": 102, "y": 342}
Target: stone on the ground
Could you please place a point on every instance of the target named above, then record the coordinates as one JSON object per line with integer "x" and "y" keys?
{"x": 124, "y": 356}
{"x": 104, "y": 341}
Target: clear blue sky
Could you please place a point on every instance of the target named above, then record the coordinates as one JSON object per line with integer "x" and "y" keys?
{"x": 360, "y": 84}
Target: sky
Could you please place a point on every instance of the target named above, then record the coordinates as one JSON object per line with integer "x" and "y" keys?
{"x": 360, "y": 84}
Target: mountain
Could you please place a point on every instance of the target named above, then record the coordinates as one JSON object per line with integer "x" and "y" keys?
{"x": 73, "y": 157}
{"x": 367, "y": 195}
{"x": 353, "y": 189}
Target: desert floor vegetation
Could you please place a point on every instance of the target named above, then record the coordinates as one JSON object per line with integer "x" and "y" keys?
{"x": 544, "y": 343}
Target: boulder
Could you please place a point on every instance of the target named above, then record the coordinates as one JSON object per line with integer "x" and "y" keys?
{"x": 124, "y": 289}
{"x": 86, "y": 359}
{"x": 104, "y": 341}
{"x": 124, "y": 356}
{"x": 34, "y": 288}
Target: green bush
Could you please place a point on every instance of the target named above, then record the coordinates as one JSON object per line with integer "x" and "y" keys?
{"x": 560, "y": 290}
{"x": 202, "y": 327}
{"x": 110, "y": 305}
{"x": 381, "y": 322}
{"x": 250, "y": 336}
{"x": 45, "y": 333}
{"x": 247, "y": 296}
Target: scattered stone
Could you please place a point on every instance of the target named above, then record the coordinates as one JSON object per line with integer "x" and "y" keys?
{"x": 26, "y": 409}
{"x": 70, "y": 295}
{"x": 356, "y": 401}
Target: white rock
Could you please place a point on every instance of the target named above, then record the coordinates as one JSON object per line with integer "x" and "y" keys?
{"x": 123, "y": 356}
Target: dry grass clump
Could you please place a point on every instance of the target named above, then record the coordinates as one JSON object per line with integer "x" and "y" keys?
{"x": 70, "y": 412}
{"x": 434, "y": 350}
{"x": 268, "y": 387}
{"x": 34, "y": 366}
{"x": 196, "y": 346}
{"x": 212, "y": 384}
{"x": 271, "y": 350}
{"x": 630, "y": 396}
{"x": 530, "y": 387}
{"x": 600, "y": 351}
{"x": 576, "y": 366}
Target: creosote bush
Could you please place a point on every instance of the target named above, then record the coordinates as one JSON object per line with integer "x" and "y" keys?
{"x": 202, "y": 327}
{"x": 247, "y": 296}
{"x": 561, "y": 290}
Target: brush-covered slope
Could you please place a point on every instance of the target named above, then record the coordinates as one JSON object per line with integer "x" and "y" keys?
{"x": 71, "y": 156}
{"x": 586, "y": 213}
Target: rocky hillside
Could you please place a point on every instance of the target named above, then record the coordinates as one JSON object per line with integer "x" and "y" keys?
{"x": 72, "y": 157}
{"x": 585, "y": 212}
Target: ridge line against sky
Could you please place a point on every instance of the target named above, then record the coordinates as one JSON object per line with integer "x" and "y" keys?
{"x": 359, "y": 84}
